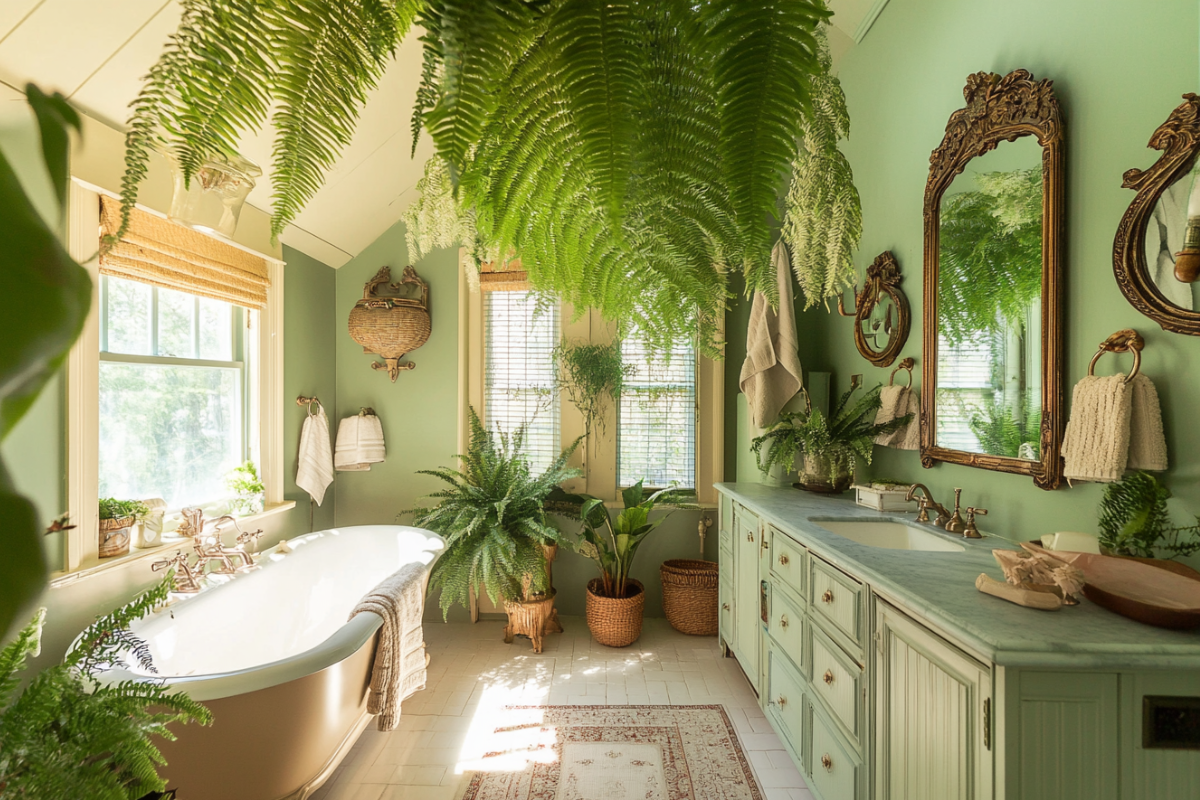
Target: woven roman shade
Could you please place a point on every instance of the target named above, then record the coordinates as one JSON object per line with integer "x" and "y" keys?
{"x": 508, "y": 278}
{"x": 162, "y": 253}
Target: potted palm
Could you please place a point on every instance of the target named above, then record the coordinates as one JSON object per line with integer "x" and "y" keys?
{"x": 493, "y": 517}
{"x": 829, "y": 446}
{"x": 615, "y": 601}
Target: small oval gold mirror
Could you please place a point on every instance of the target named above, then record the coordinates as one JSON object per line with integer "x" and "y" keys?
{"x": 881, "y": 315}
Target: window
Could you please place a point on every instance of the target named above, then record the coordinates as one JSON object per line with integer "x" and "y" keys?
{"x": 519, "y": 341}
{"x": 656, "y": 427}
{"x": 174, "y": 406}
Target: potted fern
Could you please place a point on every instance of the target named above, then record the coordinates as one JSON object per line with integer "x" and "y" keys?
{"x": 493, "y": 517}
{"x": 116, "y": 518}
{"x": 830, "y": 447}
{"x": 615, "y": 601}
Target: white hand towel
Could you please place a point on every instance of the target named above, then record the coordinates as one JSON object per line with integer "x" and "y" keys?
{"x": 314, "y": 468}
{"x": 1096, "y": 442}
{"x": 896, "y": 401}
{"x": 771, "y": 374}
{"x": 359, "y": 443}
{"x": 1147, "y": 444}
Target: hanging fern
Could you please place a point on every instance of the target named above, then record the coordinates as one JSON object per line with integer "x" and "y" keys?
{"x": 823, "y": 219}
{"x": 591, "y": 375}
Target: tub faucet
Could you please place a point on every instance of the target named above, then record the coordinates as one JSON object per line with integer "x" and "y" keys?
{"x": 926, "y": 502}
{"x": 187, "y": 580}
{"x": 210, "y": 550}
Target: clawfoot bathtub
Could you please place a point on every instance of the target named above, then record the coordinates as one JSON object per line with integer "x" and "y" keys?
{"x": 272, "y": 655}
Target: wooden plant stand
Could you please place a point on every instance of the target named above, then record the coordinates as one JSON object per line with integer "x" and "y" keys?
{"x": 533, "y": 618}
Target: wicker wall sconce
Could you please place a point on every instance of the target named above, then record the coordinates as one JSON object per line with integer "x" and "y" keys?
{"x": 395, "y": 325}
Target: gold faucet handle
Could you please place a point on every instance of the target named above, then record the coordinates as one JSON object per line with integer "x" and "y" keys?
{"x": 249, "y": 537}
{"x": 971, "y": 531}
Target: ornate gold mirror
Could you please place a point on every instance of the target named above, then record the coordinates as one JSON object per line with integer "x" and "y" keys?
{"x": 991, "y": 395}
{"x": 881, "y": 316}
{"x": 1156, "y": 255}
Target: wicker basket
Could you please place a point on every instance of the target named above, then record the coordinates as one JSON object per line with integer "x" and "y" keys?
{"x": 391, "y": 326}
{"x": 114, "y": 536}
{"x": 690, "y": 595}
{"x": 615, "y": 622}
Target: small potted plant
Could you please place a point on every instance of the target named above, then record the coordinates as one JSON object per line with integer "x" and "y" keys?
{"x": 615, "y": 601}
{"x": 116, "y": 518}
{"x": 248, "y": 489}
{"x": 493, "y": 517}
{"x": 830, "y": 446}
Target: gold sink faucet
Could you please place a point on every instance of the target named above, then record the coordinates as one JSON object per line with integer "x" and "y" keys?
{"x": 926, "y": 502}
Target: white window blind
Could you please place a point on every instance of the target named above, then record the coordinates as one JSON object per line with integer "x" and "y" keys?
{"x": 966, "y": 384}
{"x": 656, "y": 431}
{"x": 518, "y": 379}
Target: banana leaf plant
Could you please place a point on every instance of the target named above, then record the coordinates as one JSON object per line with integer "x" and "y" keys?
{"x": 46, "y": 299}
{"x": 612, "y": 545}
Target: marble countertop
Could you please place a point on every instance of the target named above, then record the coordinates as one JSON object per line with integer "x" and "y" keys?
{"x": 940, "y": 588}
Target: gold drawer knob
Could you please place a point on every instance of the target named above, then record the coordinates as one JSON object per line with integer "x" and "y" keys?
{"x": 783, "y": 621}
{"x": 724, "y": 606}
{"x": 749, "y": 537}
{"x": 782, "y": 701}
{"x": 827, "y": 597}
{"x": 828, "y": 677}
{"x": 783, "y": 560}
{"x": 827, "y": 762}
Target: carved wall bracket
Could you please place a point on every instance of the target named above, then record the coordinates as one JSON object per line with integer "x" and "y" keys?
{"x": 883, "y": 278}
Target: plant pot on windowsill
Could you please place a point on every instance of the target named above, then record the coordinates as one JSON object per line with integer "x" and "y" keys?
{"x": 615, "y": 621}
{"x": 825, "y": 473}
{"x": 114, "y": 536}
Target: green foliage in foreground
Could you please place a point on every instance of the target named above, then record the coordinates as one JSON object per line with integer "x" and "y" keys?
{"x": 493, "y": 518}
{"x": 1134, "y": 520}
{"x": 67, "y": 735}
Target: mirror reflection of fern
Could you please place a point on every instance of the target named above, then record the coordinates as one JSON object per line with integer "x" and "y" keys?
{"x": 990, "y": 257}
{"x": 1008, "y": 429}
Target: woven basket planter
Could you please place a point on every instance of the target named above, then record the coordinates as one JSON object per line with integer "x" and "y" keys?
{"x": 690, "y": 595}
{"x": 114, "y": 536}
{"x": 615, "y": 622}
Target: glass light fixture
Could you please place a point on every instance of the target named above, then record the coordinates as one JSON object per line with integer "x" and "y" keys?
{"x": 212, "y": 201}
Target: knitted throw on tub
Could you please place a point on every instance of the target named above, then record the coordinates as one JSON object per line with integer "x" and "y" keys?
{"x": 399, "y": 668}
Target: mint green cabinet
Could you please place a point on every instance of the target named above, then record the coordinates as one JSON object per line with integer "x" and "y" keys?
{"x": 747, "y": 542}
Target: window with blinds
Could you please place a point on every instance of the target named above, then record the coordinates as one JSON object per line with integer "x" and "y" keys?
{"x": 966, "y": 385}
{"x": 656, "y": 431}
{"x": 518, "y": 378}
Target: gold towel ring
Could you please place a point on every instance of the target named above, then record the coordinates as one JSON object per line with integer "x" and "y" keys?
{"x": 1125, "y": 341}
{"x": 308, "y": 401}
{"x": 906, "y": 365}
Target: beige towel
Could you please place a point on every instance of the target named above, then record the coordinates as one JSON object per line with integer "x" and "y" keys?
{"x": 896, "y": 401}
{"x": 399, "y": 667}
{"x": 1107, "y": 415}
{"x": 771, "y": 373}
{"x": 359, "y": 443}
{"x": 314, "y": 467}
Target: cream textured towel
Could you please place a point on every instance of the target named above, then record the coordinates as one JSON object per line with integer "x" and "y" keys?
{"x": 399, "y": 667}
{"x": 1113, "y": 426}
{"x": 896, "y": 401}
{"x": 314, "y": 466}
{"x": 771, "y": 373}
{"x": 359, "y": 443}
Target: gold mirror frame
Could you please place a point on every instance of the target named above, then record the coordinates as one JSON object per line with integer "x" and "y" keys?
{"x": 1179, "y": 140}
{"x": 1001, "y": 109}
{"x": 883, "y": 278}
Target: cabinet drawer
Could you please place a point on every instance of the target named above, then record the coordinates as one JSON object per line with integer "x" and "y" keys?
{"x": 789, "y": 562}
{"x": 834, "y": 771}
{"x": 838, "y": 681}
{"x": 785, "y": 698}
{"x": 787, "y": 626}
{"x": 837, "y": 598}
{"x": 743, "y": 516}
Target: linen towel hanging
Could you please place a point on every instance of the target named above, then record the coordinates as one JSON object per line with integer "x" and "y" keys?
{"x": 314, "y": 467}
{"x": 1102, "y": 439}
{"x": 399, "y": 667}
{"x": 359, "y": 443}
{"x": 771, "y": 374}
{"x": 896, "y": 401}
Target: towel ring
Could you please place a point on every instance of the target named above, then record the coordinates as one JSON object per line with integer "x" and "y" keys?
{"x": 906, "y": 365}
{"x": 308, "y": 401}
{"x": 1125, "y": 341}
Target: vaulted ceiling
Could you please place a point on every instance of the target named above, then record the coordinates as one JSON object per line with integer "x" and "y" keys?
{"x": 96, "y": 51}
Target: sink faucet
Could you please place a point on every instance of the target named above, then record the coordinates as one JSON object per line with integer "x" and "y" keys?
{"x": 927, "y": 502}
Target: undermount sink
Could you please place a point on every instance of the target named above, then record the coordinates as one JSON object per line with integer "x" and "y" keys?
{"x": 889, "y": 535}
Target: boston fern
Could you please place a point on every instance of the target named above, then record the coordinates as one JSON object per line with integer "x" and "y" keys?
{"x": 848, "y": 433}
{"x": 493, "y": 519}
{"x": 67, "y": 734}
{"x": 1134, "y": 520}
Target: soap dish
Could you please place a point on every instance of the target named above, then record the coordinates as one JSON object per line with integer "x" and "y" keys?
{"x": 881, "y": 497}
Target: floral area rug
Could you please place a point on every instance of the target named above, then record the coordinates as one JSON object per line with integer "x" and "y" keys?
{"x": 614, "y": 753}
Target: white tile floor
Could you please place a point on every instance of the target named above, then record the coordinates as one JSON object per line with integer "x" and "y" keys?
{"x": 445, "y": 729}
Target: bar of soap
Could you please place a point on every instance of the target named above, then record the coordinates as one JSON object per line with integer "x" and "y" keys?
{"x": 1072, "y": 542}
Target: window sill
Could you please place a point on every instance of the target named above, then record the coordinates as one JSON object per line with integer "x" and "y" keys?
{"x": 94, "y": 565}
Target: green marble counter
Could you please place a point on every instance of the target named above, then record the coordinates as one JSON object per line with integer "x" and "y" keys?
{"x": 940, "y": 587}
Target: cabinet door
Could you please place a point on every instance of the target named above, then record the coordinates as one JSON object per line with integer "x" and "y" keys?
{"x": 747, "y": 595}
{"x": 930, "y": 701}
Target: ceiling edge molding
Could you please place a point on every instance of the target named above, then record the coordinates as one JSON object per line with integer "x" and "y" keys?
{"x": 861, "y": 31}
{"x": 315, "y": 247}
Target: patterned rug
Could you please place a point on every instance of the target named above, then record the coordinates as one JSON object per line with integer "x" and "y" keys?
{"x": 614, "y": 753}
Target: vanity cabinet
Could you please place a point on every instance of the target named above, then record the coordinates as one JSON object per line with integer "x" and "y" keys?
{"x": 739, "y": 588}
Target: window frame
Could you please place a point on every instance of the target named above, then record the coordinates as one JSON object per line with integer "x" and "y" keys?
{"x": 262, "y": 351}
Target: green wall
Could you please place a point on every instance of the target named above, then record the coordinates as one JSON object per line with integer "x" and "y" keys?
{"x": 1119, "y": 68}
